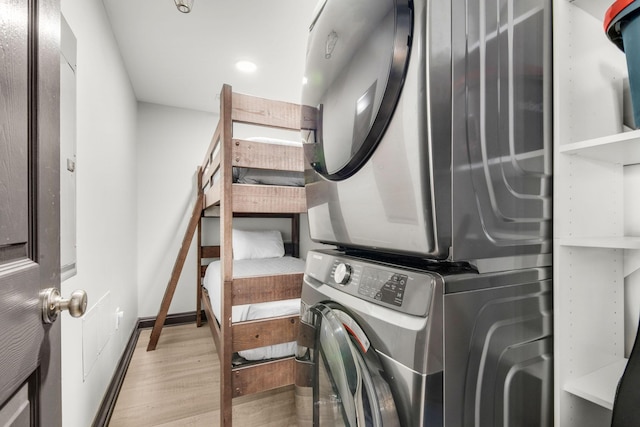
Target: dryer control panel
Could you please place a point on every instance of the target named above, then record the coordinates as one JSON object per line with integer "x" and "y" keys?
{"x": 395, "y": 287}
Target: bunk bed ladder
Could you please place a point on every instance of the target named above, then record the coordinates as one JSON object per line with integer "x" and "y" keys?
{"x": 194, "y": 224}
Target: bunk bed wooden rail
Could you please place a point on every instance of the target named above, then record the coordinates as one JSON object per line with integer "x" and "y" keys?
{"x": 226, "y": 199}
{"x": 217, "y": 170}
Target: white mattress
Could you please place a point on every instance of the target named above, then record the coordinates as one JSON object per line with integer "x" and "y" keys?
{"x": 239, "y": 313}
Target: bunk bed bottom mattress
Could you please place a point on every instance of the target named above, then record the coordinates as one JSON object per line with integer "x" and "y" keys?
{"x": 239, "y": 313}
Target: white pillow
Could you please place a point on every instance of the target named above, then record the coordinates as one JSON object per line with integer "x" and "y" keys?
{"x": 257, "y": 244}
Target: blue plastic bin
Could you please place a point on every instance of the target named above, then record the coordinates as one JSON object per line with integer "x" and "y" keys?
{"x": 622, "y": 25}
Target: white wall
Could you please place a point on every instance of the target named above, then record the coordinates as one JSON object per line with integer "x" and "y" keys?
{"x": 171, "y": 144}
{"x": 106, "y": 215}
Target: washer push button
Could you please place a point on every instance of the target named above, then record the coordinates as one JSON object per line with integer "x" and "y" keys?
{"x": 393, "y": 290}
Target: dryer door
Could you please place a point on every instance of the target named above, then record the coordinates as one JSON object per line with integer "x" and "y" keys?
{"x": 357, "y": 55}
{"x": 348, "y": 388}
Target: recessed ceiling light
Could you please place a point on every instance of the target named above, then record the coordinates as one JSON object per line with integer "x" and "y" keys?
{"x": 246, "y": 66}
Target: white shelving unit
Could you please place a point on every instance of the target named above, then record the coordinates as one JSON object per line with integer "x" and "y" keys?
{"x": 599, "y": 386}
{"x": 602, "y": 242}
{"x": 592, "y": 255}
{"x": 621, "y": 148}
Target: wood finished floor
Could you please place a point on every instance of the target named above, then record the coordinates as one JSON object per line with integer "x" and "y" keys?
{"x": 178, "y": 385}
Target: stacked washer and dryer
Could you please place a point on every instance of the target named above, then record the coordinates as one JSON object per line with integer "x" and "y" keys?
{"x": 428, "y": 140}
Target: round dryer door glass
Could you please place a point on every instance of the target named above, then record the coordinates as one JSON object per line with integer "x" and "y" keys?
{"x": 357, "y": 55}
{"x": 349, "y": 387}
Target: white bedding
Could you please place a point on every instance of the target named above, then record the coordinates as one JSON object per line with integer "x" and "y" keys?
{"x": 239, "y": 313}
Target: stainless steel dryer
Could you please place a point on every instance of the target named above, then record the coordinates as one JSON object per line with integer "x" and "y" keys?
{"x": 427, "y": 345}
{"x": 428, "y": 127}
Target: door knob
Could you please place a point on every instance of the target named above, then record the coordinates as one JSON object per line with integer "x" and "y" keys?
{"x": 53, "y": 303}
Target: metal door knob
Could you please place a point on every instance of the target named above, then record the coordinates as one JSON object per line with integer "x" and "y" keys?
{"x": 53, "y": 304}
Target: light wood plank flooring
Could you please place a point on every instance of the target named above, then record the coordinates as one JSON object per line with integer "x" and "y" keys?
{"x": 178, "y": 385}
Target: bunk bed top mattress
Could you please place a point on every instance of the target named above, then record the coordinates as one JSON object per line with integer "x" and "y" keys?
{"x": 239, "y": 313}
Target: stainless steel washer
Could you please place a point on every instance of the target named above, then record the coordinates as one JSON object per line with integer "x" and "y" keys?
{"x": 425, "y": 344}
{"x": 370, "y": 341}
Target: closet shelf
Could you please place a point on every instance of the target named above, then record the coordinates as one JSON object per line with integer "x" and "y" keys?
{"x": 602, "y": 242}
{"x": 622, "y": 148}
{"x": 599, "y": 386}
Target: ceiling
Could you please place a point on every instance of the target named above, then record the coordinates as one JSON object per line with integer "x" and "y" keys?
{"x": 182, "y": 60}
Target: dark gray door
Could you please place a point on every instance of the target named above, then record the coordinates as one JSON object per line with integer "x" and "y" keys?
{"x": 29, "y": 211}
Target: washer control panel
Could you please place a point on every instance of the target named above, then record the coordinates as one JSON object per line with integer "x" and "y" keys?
{"x": 391, "y": 286}
{"x": 383, "y": 285}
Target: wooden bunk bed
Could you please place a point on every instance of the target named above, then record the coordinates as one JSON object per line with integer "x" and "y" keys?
{"x": 219, "y": 195}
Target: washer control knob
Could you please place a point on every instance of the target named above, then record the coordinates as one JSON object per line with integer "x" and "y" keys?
{"x": 342, "y": 274}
